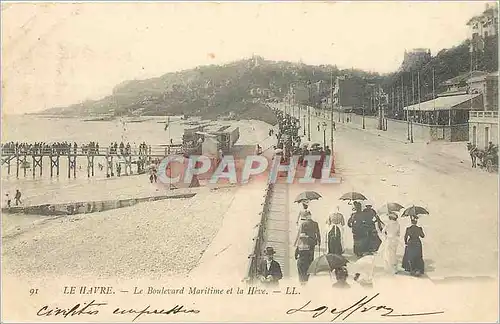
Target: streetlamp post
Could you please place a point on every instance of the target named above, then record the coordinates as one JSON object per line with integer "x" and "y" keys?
{"x": 304, "y": 125}
{"x": 363, "y": 117}
{"x": 309, "y": 113}
{"x": 411, "y": 129}
{"x": 324, "y": 134}
{"x": 308, "y": 123}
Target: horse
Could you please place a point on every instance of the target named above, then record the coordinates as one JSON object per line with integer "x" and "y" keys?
{"x": 473, "y": 150}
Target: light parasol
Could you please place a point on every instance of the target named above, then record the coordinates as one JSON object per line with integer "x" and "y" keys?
{"x": 307, "y": 196}
{"x": 352, "y": 196}
{"x": 389, "y": 208}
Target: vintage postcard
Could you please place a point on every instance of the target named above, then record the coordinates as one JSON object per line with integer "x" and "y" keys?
{"x": 249, "y": 161}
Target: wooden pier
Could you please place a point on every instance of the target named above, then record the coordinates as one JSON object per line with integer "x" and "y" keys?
{"x": 34, "y": 159}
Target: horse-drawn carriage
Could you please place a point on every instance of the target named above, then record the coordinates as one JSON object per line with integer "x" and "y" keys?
{"x": 488, "y": 159}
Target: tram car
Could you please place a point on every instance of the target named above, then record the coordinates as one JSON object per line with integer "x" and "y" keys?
{"x": 227, "y": 137}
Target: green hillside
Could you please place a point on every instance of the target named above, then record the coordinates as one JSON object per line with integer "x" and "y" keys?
{"x": 242, "y": 86}
{"x": 448, "y": 63}
{"x": 208, "y": 91}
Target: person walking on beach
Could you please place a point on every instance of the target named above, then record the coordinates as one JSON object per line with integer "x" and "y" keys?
{"x": 269, "y": 272}
{"x": 304, "y": 257}
{"x": 359, "y": 235}
{"x": 303, "y": 214}
{"x": 17, "y": 197}
{"x": 371, "y": 221}
{"x": 390, "y": 234}
{"x": 8, "y": 200}
{"x": 311, "y": 229}
{"x": 152, "y": 176}
{"x": 335, "y": 234}
{"x": 413, "y": 261}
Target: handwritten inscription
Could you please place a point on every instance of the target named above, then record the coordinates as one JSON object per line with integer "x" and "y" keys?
{"x": 362, "y": 305}
{"x": 147, "y": 311}
{"x": 93, "y": 308}
{"x": 78, "y": 309}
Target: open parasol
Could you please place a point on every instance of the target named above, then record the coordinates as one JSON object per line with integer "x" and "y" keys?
{"x": 389, "y": 208}
{"x": 414, "y": 211}
{"x": 352, "y": 196}
{"x": 326, "y": 263}
{"x": 307, "y": 196}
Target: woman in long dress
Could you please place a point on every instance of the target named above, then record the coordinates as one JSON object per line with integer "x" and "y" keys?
{"x": 390, "y": 235}
{"x": 335, "y": 234}
{"x": 359, "y": 235}
{"x": 413, "y": 261}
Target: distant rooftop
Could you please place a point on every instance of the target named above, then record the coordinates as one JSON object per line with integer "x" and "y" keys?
{"x": 464, "y": 77}
{"x": 442, "y": 103}
{"x": 489, "y": 11}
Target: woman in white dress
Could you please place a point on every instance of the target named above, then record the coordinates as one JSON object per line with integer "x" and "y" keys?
{"x": 390, "y": 236}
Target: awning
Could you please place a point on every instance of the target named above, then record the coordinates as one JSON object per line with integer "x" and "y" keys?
{"x": 442, "y": 103}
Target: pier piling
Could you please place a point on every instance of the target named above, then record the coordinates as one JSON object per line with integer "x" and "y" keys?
{"x": 32, "y": 158}
{"x": 37, "y": 162}
{"x": 90, "y": 165}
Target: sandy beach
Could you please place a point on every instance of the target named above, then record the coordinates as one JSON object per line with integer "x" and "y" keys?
{"x": 149, "y": 240}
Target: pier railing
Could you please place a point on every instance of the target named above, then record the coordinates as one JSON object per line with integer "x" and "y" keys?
{"x": 254, "y": 258}
{"x": 151, "y": 150}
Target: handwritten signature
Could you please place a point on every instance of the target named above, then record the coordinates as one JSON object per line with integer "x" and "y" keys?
{"x": 92, "y": 309}
{"x": 361, "y": 305}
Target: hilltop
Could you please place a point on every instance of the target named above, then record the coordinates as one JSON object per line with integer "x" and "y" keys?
{"x": 243, "y": 86}
{"x": 447, "y": 63}
{"x": 209, "y": 91}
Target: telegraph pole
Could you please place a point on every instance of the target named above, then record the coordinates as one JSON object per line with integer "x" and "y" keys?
{"x": 403, "y": 104}
{"x": 309, "y": 114}
{"x": 331, "y": 113}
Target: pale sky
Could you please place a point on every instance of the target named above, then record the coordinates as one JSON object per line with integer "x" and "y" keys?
{"x": 60, "y": 54}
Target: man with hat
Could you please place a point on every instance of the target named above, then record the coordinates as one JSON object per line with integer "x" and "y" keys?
{"x": 269, "y": 271}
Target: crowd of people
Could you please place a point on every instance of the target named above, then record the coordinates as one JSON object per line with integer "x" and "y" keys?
{"x": 371, "y": 236}
{"x": 37, "y": 148}
{"x": 65, "y": 148}
{"x": 289, "y": 144}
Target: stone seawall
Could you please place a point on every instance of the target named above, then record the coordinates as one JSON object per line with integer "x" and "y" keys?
{"x": 87, "y": 207}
